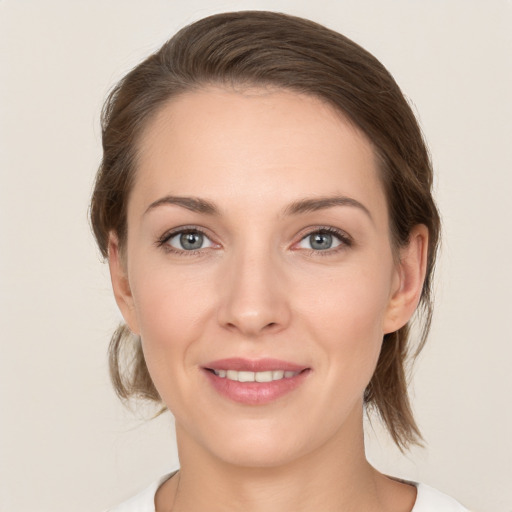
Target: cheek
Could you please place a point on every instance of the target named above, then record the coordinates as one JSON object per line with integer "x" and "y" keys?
{"x": 171, "y": 307}
{"x": 351, "y": 300}
{"x": 165, "y": 295}
{"x": 346, "y": 314}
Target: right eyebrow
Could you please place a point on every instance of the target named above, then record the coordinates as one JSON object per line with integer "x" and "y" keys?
{"x": 193, "y": 204}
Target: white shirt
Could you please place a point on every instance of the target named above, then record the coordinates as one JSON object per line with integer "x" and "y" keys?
{"x": 428, "y": 499}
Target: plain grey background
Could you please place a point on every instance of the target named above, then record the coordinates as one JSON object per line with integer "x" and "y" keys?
{"x": 65, "y": 441}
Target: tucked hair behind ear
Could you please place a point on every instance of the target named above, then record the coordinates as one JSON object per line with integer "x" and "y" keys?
{"x": 257, "y": 48}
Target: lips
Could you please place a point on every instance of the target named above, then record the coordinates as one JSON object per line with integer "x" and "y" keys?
{"x": 254, "y": 382}
{"x": 259, "y": 365}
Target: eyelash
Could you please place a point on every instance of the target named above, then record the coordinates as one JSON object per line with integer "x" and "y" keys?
{"x": 344, "y": 239}
{"x": 162, "y": 241}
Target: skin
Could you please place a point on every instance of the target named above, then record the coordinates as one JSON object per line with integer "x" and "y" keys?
{"x": 257, "y": 289}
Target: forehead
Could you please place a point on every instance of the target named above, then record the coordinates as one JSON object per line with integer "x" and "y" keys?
{"x": 256, "y": 144}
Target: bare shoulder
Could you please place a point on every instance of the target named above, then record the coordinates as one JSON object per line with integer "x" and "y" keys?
{"x": 396, "y": 495}
{"x": 165, "y": 494}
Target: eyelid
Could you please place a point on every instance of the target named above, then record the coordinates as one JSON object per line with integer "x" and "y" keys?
{"x": 343, "y": 237}
{"x": 171, "y": 233}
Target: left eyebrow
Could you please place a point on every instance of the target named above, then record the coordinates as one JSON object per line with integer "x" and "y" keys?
{"x": 321, "y": 203}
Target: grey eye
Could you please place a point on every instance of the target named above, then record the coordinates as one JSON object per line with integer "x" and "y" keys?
{"x": 320, "y": 241}
{"x": 189, "y": 241}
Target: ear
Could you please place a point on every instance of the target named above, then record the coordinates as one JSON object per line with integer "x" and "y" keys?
{"x": 120, "y": 283}
{"x": 408, "y": 281}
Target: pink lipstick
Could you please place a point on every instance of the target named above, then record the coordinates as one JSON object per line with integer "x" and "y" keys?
{"x": 254, "y": 382}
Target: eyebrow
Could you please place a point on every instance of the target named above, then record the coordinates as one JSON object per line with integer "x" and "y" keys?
{"x": 307, "y": 205}
{"x": 193, "y": 204}
{"x": 321, "y": 203}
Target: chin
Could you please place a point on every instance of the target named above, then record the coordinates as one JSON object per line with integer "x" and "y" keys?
{"x": 260, "y": 454}
{"x": 250, "y": 443}
{"x": 272, "y": 445}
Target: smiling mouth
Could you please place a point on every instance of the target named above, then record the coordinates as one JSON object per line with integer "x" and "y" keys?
{"x": 247, "y": 376}
{"x": 255, "y": 382}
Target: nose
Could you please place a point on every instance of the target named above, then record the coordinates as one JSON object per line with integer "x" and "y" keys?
{"x": 254, "y": 297}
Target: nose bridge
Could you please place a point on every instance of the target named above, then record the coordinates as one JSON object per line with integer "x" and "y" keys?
{"x": 253, "y": 297}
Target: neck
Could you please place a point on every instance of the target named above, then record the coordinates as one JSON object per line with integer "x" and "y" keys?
{"x": 335, "y": 477}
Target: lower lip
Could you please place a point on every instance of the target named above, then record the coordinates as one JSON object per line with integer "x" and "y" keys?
{"x": 255, "y": 393}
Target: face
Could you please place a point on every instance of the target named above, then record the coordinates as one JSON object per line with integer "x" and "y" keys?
{"x": 258, "y": 271}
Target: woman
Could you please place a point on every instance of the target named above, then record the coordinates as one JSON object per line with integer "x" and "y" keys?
{"x": 264, "y": 202}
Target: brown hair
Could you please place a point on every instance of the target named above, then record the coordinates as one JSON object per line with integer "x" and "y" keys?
{"x": 271, "y": 49}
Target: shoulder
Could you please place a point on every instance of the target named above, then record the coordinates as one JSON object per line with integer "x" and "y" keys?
{"x": 429, "y": 499}
{"x": 144, "y": 501}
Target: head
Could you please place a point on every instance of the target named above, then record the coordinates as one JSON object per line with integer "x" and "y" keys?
{"x": 285, "y": 57}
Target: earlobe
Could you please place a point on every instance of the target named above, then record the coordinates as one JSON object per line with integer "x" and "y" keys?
{"x": 121, "y": 284}
{"x": 411, "y": 271}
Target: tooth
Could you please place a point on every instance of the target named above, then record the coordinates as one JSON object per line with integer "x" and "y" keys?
{"x": 263, "y": 377}
{"x": 246, "y": 376}
{"x": 232, "y": 374}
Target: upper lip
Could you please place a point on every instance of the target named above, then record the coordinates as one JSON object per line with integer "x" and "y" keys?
{"x": 254, "y": 365}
